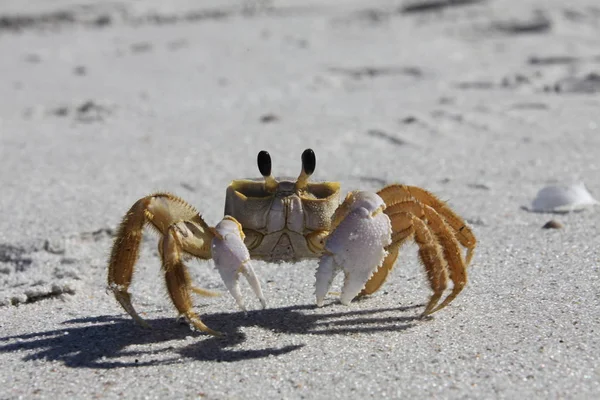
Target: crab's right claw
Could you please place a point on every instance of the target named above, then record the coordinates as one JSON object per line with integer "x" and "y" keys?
{"x": 232, "y": 258}
{"x": 356, "y": 246}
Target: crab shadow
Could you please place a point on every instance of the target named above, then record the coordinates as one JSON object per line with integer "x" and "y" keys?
{"x": 107, "y": 342}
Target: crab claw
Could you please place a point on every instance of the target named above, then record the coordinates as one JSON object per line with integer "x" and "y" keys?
{"x": 232, "y": 258}
{"x": 356, "y": 246}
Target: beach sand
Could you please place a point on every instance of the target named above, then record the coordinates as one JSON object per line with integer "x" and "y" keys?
{"x": 483, "y": 103}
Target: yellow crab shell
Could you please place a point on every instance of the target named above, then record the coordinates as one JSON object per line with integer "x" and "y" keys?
{"x": 280, "y": 225}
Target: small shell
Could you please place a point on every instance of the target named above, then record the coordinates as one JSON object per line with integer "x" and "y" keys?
{"x": 553, "y": 224}
{"x": 561, "y": 199}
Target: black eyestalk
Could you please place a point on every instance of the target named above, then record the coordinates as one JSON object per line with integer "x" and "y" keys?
{"x": 264, "y": 166}
{"x": 309, "y": 163}
{"x": 264, "y": 163}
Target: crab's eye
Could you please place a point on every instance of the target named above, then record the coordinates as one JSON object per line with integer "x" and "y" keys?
{"x": 264, "y": 163}
{"x": 309, "y": 161}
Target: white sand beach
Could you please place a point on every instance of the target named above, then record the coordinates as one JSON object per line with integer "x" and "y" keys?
{"x": 483, "y": 103}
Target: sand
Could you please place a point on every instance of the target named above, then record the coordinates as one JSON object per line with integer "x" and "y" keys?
{"x": 482, "y": 102}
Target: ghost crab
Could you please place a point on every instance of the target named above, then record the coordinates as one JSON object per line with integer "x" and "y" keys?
{"x": 288, "y": 221}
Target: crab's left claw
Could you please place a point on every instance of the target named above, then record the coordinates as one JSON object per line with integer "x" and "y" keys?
{"x": 232, "y": 258}
{"x": 356, "y": 246}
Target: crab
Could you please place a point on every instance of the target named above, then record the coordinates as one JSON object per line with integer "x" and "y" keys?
{"x": 287, "y": 221}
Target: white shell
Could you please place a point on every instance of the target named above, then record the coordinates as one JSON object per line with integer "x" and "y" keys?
{"x": 563, "y": 198}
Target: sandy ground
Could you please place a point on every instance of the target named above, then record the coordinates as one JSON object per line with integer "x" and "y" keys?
{"x": 483, "y": 103}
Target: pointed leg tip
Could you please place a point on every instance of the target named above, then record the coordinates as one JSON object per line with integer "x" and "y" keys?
{"x": 428, "y": 310}
{"x": 432, "y": 308}
{"x": 199, "y": 326}
{"x": 214, "y": 333}
{"x": 126, "y": 303}
{"x": 144, "y": 324}
{"x": 141, "y": 322}
{"x": 439, "y": 307}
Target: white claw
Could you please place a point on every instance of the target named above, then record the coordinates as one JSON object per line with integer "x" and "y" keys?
{"x": 357, "y": 246}
{"x": 325, "y": 274}
{"x": 248, "y": 272}
{"x": 231, "y": 280}
{"x": 232, "y": 258}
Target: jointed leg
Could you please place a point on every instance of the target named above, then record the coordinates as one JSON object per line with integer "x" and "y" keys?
{"x": 430, "y": 253}
{"x": 178, "y": 280}
{"x": 456, "y": 264}
{"x": 181, "y": 229}
{"x": 379, "y": 277}
{"x": 394, "y": 194}
{"x": 124, "y": 254}
{"x": 433, "y": 236}
{"x": 199, "y": 291}
{"x": 413, "y": 213}
{"x": 402, "y": 230}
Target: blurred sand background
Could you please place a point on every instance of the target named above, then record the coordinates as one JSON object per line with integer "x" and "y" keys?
{"x": 481, "y": 102}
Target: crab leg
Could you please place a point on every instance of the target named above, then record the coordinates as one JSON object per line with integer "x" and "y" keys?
{"x": 439, "y": 249}
{"x": 394, "y": 194}
{"x": 431, "y": 255}
{"x": 456, "y": 264}
{"x": 379, "y": 277}
{"x": 125, "y": 253}
{"x": 182, "y": 231}
{"x": 402, "y": 230}
{"x": 178, "y": 280}
{"x": 356, "y": 246}
{"x": 232, "y": 258}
